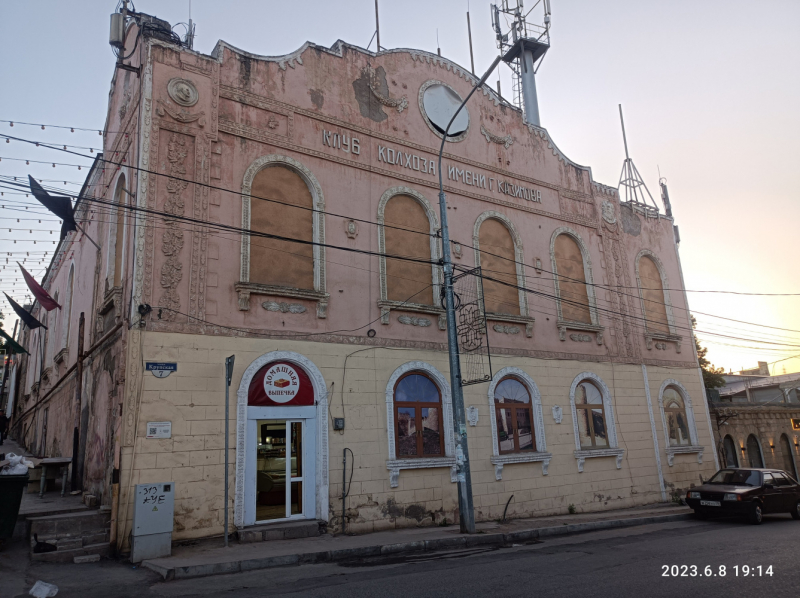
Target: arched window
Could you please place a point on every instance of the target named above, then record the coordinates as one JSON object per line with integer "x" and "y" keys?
{"x": 119, "y": 238}
{"x": 788, "y": 456}
{"x": 754, "y": 455}
{"x": 659, "y": 324}
{"x": 731, "y": 458}
{"x": 513, "y": 411}
{"x": 497, "y": 260}
{"x": 285, "y": 209}
{"x": 572, "y": 280}
{"x": 675, "y": 414}
{"x": 498, "y": 251}
{"x": 653, "y": 303}
{"x": 67, "y": 308}
{"x": 418, "y": 417}
{"x": 116, "y": 236}
{"x": 53, "y": 321}
{"x": 677, "y": 418}
{"x": 591, "y": 416}
{"x": 407, "y": 233}
{"x": 572, "y": 274}
{"x": 282, "y": 197}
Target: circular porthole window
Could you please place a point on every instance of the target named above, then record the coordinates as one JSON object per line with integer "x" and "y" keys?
{"x": 438, "y": 102}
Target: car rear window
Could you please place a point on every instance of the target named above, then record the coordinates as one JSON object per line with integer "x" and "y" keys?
{"x": 736, "y": 477}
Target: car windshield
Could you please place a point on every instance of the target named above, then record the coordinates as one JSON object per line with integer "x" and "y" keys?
{"x": 736, "y": 477}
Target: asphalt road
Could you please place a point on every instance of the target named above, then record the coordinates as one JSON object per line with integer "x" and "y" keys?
{"x": 626, "y": 562}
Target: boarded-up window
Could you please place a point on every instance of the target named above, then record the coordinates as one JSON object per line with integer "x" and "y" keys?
{"x": 275, "y": 262}
{"x": 655, "y": 310}
{"x": 120, "y": 231}
{"x": 572, "y": 281}
{"x": 497, "y": 261}
{"x": 406, "y": 233}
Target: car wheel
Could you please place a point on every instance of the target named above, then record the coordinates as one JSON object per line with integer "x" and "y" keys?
{"x": 796, "y": 511}
{"x": 756, "y": 515}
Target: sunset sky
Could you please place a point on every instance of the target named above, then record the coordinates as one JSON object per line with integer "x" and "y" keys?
{"x": 710, "y": 92}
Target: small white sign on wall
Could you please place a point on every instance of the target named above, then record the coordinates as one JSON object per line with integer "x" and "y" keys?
{"x": 159, "y": 429}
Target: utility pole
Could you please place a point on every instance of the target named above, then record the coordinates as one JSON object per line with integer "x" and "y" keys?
{"x": 469, "y": 34}
{"x": 377, "y": 27}
{"x": 228, "y": 375}
{"x": 78, "y": 392}
{"x": 465, "y": 508}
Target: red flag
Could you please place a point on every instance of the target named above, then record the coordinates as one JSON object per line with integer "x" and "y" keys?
{"x": 45, "y": 300}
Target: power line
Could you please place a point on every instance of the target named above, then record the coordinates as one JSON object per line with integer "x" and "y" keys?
{"x": 250, "y": 232}
{"x": 238, "y": 230}
{"x": 606, "y": 287}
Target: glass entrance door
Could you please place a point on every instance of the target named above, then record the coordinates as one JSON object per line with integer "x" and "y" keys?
{"x": 279, "y": 469}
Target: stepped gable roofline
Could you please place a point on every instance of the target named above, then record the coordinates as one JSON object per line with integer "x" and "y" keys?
{"x": 292, "y": 59}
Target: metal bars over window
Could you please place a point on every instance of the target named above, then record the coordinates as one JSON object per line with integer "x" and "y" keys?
{"x": 473, "y": 340}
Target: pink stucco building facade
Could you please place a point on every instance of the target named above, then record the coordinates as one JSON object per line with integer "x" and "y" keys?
{"x": 284, "y": 210}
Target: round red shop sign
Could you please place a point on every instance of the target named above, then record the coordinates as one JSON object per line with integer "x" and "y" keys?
{"x": 280, "y": 383}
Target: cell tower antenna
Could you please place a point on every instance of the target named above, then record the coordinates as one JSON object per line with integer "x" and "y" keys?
{"x": 636, "y": 191}
{"x": 523, "y": 45}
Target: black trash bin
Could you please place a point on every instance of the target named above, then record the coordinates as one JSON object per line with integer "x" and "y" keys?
{"x": 11, "y": 489}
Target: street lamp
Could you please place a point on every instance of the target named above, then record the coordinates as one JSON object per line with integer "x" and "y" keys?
{"x": 465, "y": 510}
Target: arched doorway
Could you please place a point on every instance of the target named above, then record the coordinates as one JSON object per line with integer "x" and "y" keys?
{"x": 754, "y": 455}
{"x": 788, "y": 457}
{"x": 282, "y": 441}
{"x": 731, "y": 459}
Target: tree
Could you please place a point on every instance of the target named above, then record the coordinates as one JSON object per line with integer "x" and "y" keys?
{"x": 712, "y": 377}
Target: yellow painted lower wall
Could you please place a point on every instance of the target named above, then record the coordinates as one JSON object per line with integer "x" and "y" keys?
{"x": 193, "y": 400}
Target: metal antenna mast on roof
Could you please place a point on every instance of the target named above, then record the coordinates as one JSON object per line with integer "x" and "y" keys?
{"x": 523, "y": 47}
{"x": 636, "y": 191}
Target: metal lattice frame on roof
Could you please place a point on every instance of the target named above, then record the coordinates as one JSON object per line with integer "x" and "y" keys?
{"x": 636, "y": 192}
{"x": 520, "y": 33}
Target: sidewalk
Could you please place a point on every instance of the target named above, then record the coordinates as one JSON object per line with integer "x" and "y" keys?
{"x": 209, "y": 557}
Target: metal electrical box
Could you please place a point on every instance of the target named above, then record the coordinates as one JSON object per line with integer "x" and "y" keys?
{"x": 154, "y": 508}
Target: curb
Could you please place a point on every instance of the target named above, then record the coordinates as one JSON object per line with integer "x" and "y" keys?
{"x": 169, "y": 573}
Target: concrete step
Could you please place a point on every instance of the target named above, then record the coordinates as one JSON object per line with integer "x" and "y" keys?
{"x": 67, "y": 555}
{"x": 280, "y": 531}
{"x": 70, "y": 524}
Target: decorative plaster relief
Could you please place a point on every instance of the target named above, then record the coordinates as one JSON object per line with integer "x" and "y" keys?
{"x": 351, "y": 229}
{"x": 399, "y": 104}
{"x": 558, "y": 414}
{"x": 608, "y": 211}
{"x": 506, "y": 329}
{"x": 472, "y": 415}
{"x": 414, "y": 321}
{"x": 182, "y": 92}
{"x": 293, "y": 308}
{"x": 172, "y": 238}
{"x": 506, "y": 141}
{"x": 181, "y": 116}
{"x": 581, "y": 338}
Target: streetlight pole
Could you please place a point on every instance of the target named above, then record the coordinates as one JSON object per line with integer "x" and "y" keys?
{"x": 465, "y": 509}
